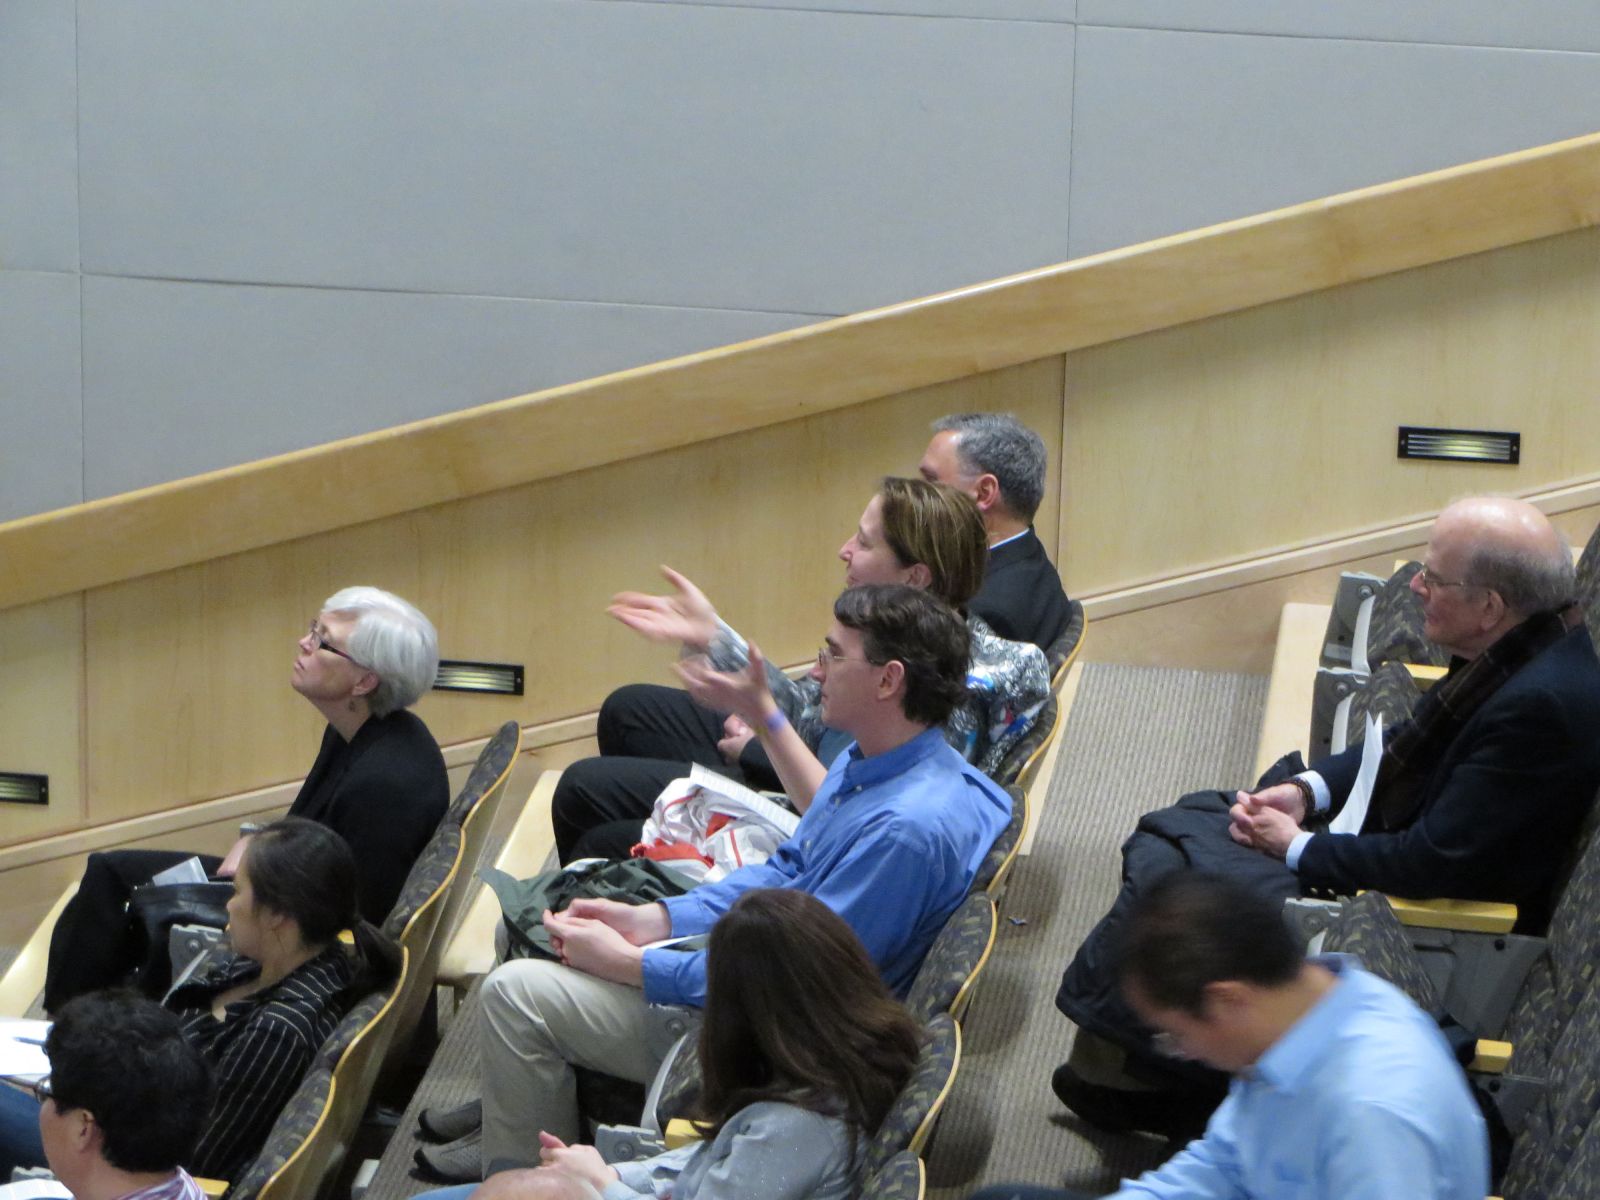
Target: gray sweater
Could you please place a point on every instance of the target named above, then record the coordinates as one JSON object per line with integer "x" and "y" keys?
{"x": 772, "y": 1150}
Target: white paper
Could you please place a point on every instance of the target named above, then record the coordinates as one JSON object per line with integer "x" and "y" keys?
{"x": 35, "y": 1189}
{"x": 22, "y": 1048}
{"x": 1354, "y": 812}
{"x": 188, "y": 871}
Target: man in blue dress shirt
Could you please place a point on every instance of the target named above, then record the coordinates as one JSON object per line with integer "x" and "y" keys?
{"x": 891, "y": 842}
{"x": 1343, "y": 1089}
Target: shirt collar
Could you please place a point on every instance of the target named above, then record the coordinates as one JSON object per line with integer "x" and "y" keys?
{"x": 1007, "y": 541}
{"x": 860, "y": 771}
{"x": 1289, "y": 1059}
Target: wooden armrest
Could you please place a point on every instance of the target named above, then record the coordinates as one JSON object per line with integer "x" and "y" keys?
{"x": 679, "y": 1132}
{"x": 212, "y": 1187}
{"x": 1424, "y": 676}
{"x": 1492, "y": 1058}
{"x": 1472, "y": 916}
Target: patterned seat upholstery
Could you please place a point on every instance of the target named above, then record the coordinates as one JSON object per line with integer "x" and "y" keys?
{"x": 1368, "y": 929}
{"x": 1001, "y": 853}
{"x": 1395, "y": 631}
{"x": 901, "y": 1178}
{"x": 1559, "y": 980}
{"x": 953, "y": 962}
{"x": 493, "y": 762}
{"x": 1389, "y": 693}
{"x": 353, "y": 1022}
{"x": 1563, "y": 1117}
{"x": 1577, "y": 1180}
{"x": 1010, "y": 767}
{"x": 1060, "y": 652}
{"x": 298, "y": 1120}
{"x": 427, "y": 875}
{"x": 909, "y": 1122}
{"x": 1587, "y": 591}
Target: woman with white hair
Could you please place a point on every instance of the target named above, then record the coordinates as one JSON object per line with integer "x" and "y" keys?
{"x": 379, "y": 782}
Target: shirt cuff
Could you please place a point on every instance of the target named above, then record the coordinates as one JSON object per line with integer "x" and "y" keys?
{"x": 1291, "y": 857}
{"x": 1319, "y": 790}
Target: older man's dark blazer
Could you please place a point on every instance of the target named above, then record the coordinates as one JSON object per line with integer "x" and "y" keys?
{"x": 1021, "y": 598}
{"x": 1499, "y": 809}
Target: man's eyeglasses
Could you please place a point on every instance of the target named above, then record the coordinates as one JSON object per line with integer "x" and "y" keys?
{"x": 41, "y": 1089}
{"x": 319, "y": 641}
{"x": 1430, "y": 579}
{"x": 826, "y": 657}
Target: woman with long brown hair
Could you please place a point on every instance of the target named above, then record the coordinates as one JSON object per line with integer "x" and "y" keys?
{"x": 802, "y": 1052}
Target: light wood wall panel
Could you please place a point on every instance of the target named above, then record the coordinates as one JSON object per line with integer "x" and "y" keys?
{"x": 188, "y": 670}
{"x": 1234, "y": 436}
{"x": 41, "y": 703}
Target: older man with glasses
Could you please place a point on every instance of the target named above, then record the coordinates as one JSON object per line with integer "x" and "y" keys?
{"x": 1478, "y": 796}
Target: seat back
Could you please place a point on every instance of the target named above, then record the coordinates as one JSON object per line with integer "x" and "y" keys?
{"x": 903, "y": 1177}
{"x": 474, "y": 810}
{"x": 414, "y": 923}
{"x": 1368, "y": 928}
{"x": 996, "y": 865}
{"x": 1588, "y": 584}
{"x": 354, "y": 1054}
{"x": 1030, "y": 746}
{"x": 909, "y": 1122}
{"x": 1063, "y": 652}
{"x": 958, "y": 955}
{"x": 1562, "y": 1117}
{"x": 279, "y": 1171}
{"x": 1395, "y": 632}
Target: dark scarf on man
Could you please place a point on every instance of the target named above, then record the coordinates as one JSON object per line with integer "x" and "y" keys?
{"x": 1411, "y": 755}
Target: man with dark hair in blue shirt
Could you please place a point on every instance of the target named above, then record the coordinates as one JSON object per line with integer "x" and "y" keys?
{"x": 1341, "y": 1087}
{"x": 891, "y": 842}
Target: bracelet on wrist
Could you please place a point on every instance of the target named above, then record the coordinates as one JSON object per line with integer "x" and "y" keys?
{"x": 774, "y": 721}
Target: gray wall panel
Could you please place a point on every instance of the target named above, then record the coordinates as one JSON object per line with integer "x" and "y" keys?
{"x": 1536, "y": 24}
{"x": 41, "y": 407}
{"x": 649, "y": 153}
{"x": 38, "y": 136}
{"x": 181, "y": 378}
{"x": 999, "y": 10}
{"x": 1174, "y": 131}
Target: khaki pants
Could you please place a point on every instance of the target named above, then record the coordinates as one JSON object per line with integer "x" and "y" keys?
{"x": 540, "y": 1019}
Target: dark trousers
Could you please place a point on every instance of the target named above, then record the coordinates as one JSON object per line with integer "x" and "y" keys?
{"x": 1028, "y": 1191}
{"x": 93, "y": 945}
{"x": 649, "y": 735}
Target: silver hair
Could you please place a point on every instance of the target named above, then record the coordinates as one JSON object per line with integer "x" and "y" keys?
{"x": 392, "y": 639}
{"x": 1529, "y": 581}
{"x": 1000, "y": 445}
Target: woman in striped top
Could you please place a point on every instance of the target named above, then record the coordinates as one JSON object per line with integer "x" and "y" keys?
{"x": 260, "y": 1014}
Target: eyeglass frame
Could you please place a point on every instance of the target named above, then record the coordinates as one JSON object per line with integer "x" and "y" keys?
{"x": 1430, "y": 579}
{"x": 320, "y": 642}
{"x": 826, "y": 658}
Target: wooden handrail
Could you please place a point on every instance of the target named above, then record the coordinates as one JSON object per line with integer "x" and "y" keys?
{"x": 1171, "y": 281}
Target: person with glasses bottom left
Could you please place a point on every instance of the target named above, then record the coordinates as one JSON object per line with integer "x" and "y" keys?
{"x": 122, "y": 1108}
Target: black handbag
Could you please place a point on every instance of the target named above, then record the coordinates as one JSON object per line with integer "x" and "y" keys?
{"x": 154, "y": 908}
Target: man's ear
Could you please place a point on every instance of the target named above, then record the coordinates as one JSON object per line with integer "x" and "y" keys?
{"x": 87, "y": 1137}
{"x": 1494, "y": 609}
{"x": 986, "y": 493}
{"x": 1224, "y": 998}
{"x": 892, "y": 681}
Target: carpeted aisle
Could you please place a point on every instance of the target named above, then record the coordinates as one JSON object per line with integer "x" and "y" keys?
{"x": 1136, "y": 739}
